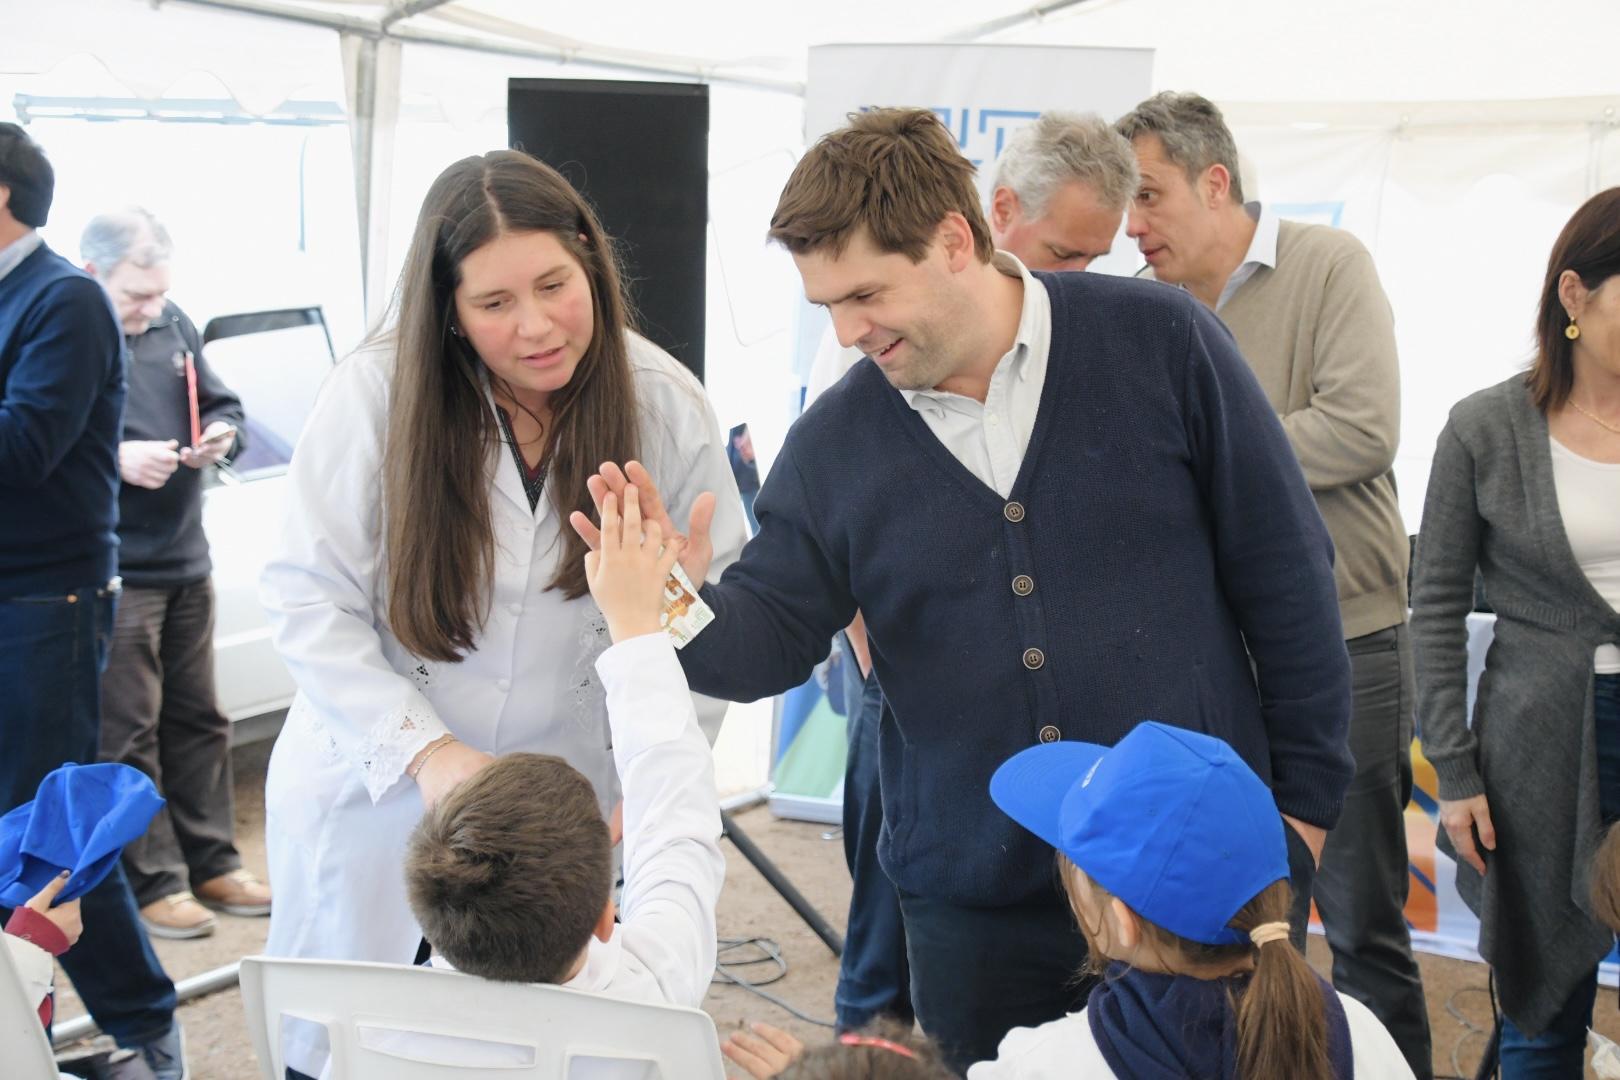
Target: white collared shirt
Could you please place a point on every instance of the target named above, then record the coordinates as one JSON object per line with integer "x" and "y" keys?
{"x": 1262, "y": 251}
{"x": 990, "y": 439}
{"x": 12, "y": 255}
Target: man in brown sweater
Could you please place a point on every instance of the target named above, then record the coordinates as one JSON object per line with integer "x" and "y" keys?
{"x": 1309, "y": 315}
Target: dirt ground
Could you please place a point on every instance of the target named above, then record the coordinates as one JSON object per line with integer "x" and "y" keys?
{"x": 812, "y": 858}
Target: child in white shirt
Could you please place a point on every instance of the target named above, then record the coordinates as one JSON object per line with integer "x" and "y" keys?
{"x": 511, "y": 875}
{"x": 1173, "y": 855}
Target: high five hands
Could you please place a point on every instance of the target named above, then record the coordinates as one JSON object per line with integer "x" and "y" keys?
{"x": 697, "y": 551}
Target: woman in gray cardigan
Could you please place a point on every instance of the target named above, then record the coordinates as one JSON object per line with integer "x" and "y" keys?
{"x": 1526, "y": 487}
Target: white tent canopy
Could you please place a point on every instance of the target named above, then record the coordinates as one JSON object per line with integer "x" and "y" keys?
{"x": 1341, "y": 51}
{"x": 1453, "y": 137}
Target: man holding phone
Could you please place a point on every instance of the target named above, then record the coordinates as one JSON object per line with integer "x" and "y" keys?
{"x": 159, "y": 711}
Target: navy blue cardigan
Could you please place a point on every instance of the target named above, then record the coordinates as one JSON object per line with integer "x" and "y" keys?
{"x": 61, "y": 405}
{"x": 1166, "y": 534}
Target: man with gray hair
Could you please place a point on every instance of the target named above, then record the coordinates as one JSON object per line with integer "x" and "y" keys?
{"x": 160, "y": 713}
{"x": 1061, "y": 187}
{"x": 1310, "y": 316}
{"x": 1060, "y": 191}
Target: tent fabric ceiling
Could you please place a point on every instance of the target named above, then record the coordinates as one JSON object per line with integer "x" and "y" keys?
{"x": 1254, "y": 52}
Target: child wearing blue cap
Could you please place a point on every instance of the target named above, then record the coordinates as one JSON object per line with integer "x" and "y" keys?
{"x": 1173, "y": 855}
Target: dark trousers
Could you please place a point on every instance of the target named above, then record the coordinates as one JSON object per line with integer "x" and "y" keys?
{"x": 1362, "y": 883}
{"x": 52, "y": 650}
{"x": 159, "y": 715}
{"x": 977, "y": 973}
{"x": 874, "y": 978}
{"x": 1560, "y": 1051}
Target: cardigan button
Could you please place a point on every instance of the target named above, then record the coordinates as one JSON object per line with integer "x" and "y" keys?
{"x": 1023, "y": 584}
{"x": 1014, "y": 512}
{"x": 1034, "y": 658}
{"x": 1049, "y": 734}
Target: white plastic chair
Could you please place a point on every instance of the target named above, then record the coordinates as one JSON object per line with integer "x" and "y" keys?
{"x": 28, "y": 1051}
{"x": 393, "y": 1022}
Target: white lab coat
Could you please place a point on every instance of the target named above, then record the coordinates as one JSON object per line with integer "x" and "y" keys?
{"x": 337, "y": 810}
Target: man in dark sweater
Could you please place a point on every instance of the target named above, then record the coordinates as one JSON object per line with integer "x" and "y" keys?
{"x": 160, "y": 713}
{"x": 1064, "y": 506}
{"x": 61, "y": 394}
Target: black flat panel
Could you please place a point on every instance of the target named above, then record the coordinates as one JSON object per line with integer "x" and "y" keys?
{"x": 639, "y": 152}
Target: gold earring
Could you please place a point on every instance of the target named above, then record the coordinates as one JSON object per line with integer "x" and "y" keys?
{"x": 1572, "y": 331}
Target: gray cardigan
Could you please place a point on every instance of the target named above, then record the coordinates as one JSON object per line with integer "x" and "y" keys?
{"x": 1491, "y": 503}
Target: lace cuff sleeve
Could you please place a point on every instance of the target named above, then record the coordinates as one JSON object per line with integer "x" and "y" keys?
{"x": 382, "y": 750}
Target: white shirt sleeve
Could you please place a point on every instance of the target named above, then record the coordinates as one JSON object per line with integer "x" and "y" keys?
{"x": 34, "y": 965}
{"x": 673, "y": 867}
{"x": 1372, "y": 1047}
{"x": 318, "y": 589}
{"x": 1061, "y": 1047}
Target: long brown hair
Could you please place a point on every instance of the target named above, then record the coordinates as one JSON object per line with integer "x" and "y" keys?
{"x": 1606, "y": 880}
{"x": 439, "y": 541}
{"x": 1281, "y": 1018}
{"x": 1590, "y": 246}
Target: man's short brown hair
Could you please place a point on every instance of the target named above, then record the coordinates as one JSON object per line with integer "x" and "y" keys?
{"x": 509, "y": 874}
{"x": 894, "y": 172}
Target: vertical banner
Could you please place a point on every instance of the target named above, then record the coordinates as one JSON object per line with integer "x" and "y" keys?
{"x": 983, "y": 94}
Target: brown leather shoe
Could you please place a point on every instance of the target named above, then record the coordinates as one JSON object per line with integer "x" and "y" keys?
{"x": 178, "y": 916}
{"x": 236, "y": 893}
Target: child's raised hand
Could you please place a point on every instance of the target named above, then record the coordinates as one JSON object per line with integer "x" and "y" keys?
{"x": 764, "y": 1054}
{"x": 626, "y": 573}
{"x": 66, "y": 917}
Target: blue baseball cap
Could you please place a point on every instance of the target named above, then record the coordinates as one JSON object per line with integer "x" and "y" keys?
{"x": 80, "y": 820}
{"x": 1170, "y": 821}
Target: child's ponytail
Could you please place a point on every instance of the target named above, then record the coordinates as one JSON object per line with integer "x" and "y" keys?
{"x": 1281, "y": 1018}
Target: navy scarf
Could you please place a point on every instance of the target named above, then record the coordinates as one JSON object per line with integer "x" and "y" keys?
{"x": 1174, "y": 1027}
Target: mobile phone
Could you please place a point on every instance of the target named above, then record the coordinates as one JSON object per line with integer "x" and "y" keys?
{"x": 223, "y": 435}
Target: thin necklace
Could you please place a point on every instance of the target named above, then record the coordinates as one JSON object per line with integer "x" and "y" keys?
{"x": 1598, "y": 420}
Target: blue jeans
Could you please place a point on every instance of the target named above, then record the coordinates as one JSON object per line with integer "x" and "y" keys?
{"x": 979, "y": 972}
{"x": 1560, "y": 1051}
{"x": 874, "y": 978}
{"x": 52, "y": 652}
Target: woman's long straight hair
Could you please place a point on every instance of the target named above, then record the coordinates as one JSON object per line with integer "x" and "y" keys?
{"x": 1281, "y": 1017}
{"x": 439, "y": 538}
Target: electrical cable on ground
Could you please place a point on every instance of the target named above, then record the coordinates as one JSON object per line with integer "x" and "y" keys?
{"x": 1470, "y": 1029}
{"x": 769, "y": 952}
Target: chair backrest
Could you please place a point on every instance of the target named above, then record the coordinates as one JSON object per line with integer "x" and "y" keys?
{"x": 393, "y": 1022}
{"x": 28, "y": 1051}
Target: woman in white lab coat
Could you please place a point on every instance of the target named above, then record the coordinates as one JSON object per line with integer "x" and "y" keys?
{"x": 428, "y": 595}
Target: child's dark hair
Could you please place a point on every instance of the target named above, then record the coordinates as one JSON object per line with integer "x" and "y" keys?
{"x": 1281, "y": 1017}
{"x": 25, "y": 171}
{"x": 884, "y": 1051}
{"x": 510, "y": 873}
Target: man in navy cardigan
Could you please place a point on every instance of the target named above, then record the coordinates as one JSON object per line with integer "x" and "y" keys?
{"x": 1064, "y": 506}
{"x": 61, "y": 403}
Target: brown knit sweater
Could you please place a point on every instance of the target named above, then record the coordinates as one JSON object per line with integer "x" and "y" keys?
{"x": 1318, "y": 332}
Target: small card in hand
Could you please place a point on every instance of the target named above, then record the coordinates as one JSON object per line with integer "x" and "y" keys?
{"x": 685, "y": 613}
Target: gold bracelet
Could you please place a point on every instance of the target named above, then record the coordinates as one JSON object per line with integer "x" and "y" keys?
{"x": 443, "y": 742}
